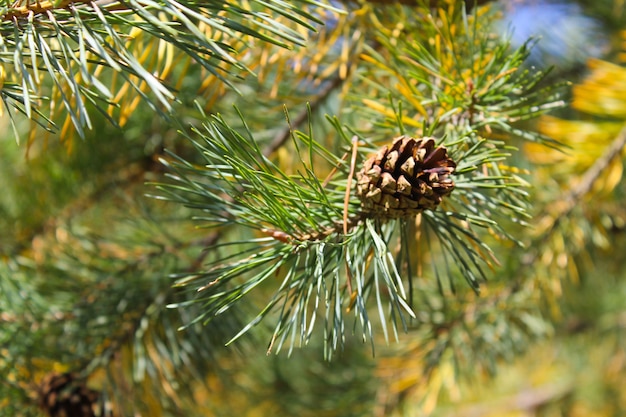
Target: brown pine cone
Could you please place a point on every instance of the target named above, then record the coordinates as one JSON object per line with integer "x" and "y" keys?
{"x": 63, "y": 395}
{"x": 405, "y": 178}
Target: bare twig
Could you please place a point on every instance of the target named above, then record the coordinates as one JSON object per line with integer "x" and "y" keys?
{"x": 571, "y": 199}
{"x": 566, "y": 203}
{"x": 594, "y": 172}
{"x": 281, "y": 138}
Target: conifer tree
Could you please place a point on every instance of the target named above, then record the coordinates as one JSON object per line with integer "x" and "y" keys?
{"x": 302, "y": 208}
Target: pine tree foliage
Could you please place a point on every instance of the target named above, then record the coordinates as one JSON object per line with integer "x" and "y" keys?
{"x": 329, "y": 253}
{"x": 269, "y": 110}
{"x": 80, "y": 57}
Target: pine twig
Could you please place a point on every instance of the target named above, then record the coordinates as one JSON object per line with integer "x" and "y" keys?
{"x": 571, "y": 199}
{"x": 280, "y": 139}
{"x": 594, "y": 172}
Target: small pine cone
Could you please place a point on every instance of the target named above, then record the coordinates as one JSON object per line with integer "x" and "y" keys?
{"x": 405, "y": 178}
{"x": 63, "y": 395}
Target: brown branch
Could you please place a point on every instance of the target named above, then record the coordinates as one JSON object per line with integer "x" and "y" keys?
{"x": 23, "y": 9}
{"x": 336, "y": 228}
{"x": 207, "y": 241}
{"x": 568, "y": 202}
{"x": 572, "y": 198}
{"x": 281, "y": 138}
{"x": 594, "y": 172}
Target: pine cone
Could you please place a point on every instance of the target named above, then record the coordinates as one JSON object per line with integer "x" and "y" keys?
{"x": 405, "y": 178}
{"x": 63, "y": 395}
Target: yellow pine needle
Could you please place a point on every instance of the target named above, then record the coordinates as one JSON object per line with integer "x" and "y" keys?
{"x": 410, "y": 93}
{"x": 436, "y": 74}
{"x": 165, "y": 54}
{"x": 374, "y": 105}
{"x": 376, "y": 63}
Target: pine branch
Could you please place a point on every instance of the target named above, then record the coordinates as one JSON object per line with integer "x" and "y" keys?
{"x": 564, "y": 205}
{"x": 75, "y": 51}
{"x": 335, "y": 254}
{"x": 305, "y": 235}
{"x": 585, "y": 185}
{"x": 305, "y": 229}
{"x": 118, "y": 306}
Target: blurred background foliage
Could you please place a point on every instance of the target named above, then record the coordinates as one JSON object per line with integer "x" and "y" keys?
{"x": 87, "y": 257}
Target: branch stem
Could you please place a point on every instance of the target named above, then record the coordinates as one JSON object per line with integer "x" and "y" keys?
{"x": 571, "y": 199}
